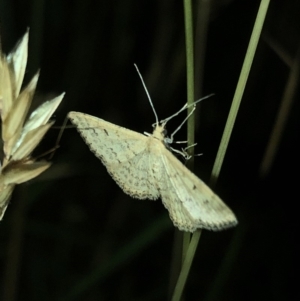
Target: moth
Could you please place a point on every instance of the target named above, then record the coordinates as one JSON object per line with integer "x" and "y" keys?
{"x": 145, "y": 168}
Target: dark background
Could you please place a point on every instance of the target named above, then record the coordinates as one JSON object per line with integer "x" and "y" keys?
{"x": 72, "y": 234}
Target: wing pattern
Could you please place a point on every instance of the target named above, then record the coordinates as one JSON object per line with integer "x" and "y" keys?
{"x": 125, "y": 153}
{"x": 202, "y": 207}
{"x": 144, "y": 168}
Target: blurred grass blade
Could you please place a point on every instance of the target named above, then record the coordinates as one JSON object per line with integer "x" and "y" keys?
{"x": 260, "y": 18}
{"x": 282, "y": 116}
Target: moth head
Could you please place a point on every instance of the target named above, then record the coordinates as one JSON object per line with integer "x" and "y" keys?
{"x": 159, "y": 131}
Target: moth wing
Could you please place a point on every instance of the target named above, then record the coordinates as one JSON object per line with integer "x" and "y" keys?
{"x": 112, "y": 144}
{"x": 135, "y": 177}
{"x": 202, "y": 207}
{"x": 173, "y": 204}
{"x": 124, "y": 153}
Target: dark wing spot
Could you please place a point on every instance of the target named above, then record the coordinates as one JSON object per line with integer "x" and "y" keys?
{"x": 105, "y": 131}
{"x": 194, "y": 187}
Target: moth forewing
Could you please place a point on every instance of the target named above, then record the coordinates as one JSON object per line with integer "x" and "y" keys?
{"x": 144, "y": 168}
{"x": 111, "y": 143}
{"x": 125, "y": 153}
{"x": 171, "y": 201}
{"x": 201, "y": 205}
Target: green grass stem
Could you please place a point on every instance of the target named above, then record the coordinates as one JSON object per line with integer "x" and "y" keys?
{"x": 229, "y": 124}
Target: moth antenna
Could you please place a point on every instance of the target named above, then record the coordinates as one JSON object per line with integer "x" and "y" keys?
{"x": 183, "y": 122}
{"x": 186, "y": 106}
{"x": 170, "y": 140}
{"x": 148, "y": 95}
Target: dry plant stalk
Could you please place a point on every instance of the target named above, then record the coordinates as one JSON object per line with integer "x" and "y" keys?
{"x": 19, "y": 139}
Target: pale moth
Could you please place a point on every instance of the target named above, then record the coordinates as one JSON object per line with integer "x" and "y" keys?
{"x": 144, "y": 168}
